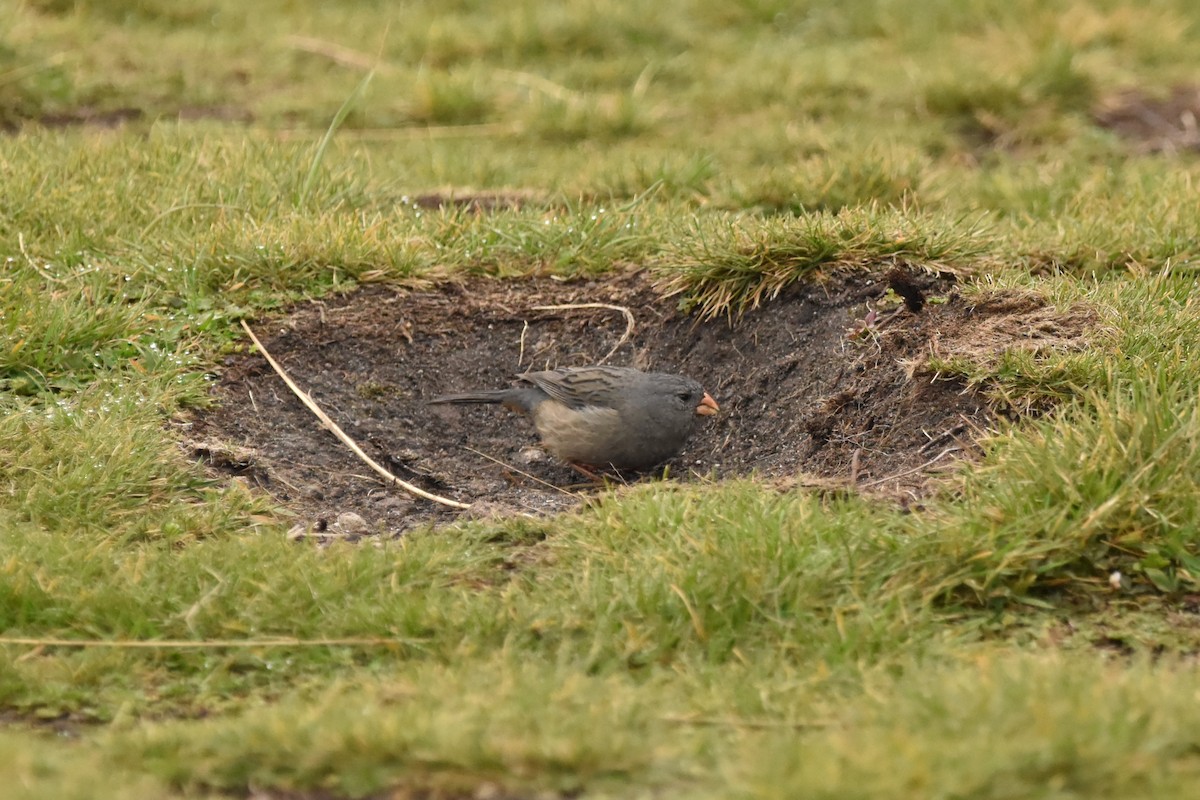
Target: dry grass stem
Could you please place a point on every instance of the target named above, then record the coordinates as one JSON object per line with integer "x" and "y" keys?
{"x": 915, "y": 469}
{"x": 336, "y": 53}
{"x": 629, "y": 321}
{"x": 340, "y": 434}
{"x": 519, "y": 471}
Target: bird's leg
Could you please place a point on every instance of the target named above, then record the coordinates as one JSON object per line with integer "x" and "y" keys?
{"x": 583, "y": 470}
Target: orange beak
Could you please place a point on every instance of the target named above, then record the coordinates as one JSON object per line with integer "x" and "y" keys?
{"x": 707, "y": 406}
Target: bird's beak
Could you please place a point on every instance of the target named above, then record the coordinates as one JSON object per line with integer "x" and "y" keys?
{"x": 707, "y": 406}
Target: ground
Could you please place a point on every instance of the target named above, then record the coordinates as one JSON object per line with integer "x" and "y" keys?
{"x": 1155, "y": 123}
{"x": 828, "y": 383}
{"x": 936, "y": 260}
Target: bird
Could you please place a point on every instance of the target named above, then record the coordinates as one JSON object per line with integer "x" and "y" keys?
{"x": 603, "y": 416}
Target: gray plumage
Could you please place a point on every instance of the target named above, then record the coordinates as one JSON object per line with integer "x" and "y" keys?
{"x": 604, "y": 416}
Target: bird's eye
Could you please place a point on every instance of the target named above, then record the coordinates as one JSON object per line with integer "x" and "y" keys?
{"x": 684, "y": 396}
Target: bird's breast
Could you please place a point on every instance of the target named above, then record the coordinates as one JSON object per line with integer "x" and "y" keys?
{"x": 602, "y": 436}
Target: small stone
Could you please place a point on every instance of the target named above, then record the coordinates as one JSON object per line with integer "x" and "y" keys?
{"x": 531, "y": 455}
{"x": 351, "y": 524}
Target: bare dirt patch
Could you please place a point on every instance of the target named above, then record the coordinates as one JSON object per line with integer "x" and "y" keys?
{"x": 826, "y": 381}
{"x": 1154, "y": 123}
{"x": 115, "y": 118}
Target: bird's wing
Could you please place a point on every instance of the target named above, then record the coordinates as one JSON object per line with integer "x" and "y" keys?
{"x": 580, "y": 387}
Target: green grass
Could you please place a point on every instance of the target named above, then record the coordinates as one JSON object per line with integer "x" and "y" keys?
{"x": 724, "y": 640}
{"x": 727, "y": 265}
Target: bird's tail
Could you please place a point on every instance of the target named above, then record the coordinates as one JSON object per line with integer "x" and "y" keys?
{"x": 493, "y": 396}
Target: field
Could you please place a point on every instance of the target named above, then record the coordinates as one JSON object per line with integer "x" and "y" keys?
{"x": 936, "y": 259}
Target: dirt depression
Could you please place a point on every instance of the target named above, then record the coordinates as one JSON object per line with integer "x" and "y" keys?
{"x": 828, "y": 381}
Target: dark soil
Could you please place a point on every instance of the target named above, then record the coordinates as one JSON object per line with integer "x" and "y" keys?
{"x": 826, "y": 385}
{"x": 106, "y": 119}
{"x": 1155, "y": 124}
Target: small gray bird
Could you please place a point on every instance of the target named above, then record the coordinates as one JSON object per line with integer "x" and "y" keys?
{"x": 604, "y": 416}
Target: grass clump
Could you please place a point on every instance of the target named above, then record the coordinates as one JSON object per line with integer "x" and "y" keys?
{"x": 57, "y": 339}
{"x": 730, "y": 264}
{"x": 1076, "y": 499}
{"x": 390, "y": 732}
{"x": 1062, "y": 503}
{"x": 91, "y": 463}
{"x": 451, "y": 98}
{"x": 1011, "y": 726}
{"x": 1025, "y": 108}
{"x": 30, "y": 85}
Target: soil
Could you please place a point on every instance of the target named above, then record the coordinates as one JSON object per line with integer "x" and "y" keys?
{"x": 826, "y": 385}
{"x": 114, "y": 118}
{"x": 1155, "y": 124}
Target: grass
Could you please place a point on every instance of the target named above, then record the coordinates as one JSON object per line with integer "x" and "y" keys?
{"x": 732, "y": 264}
{"x": 720, "y": 640}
